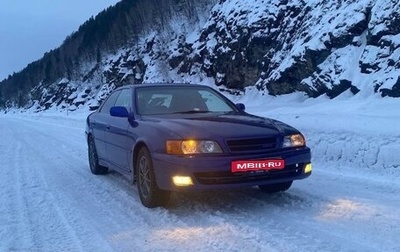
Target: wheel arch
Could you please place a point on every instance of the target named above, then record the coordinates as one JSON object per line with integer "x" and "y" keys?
{"x": 88, "y": 136}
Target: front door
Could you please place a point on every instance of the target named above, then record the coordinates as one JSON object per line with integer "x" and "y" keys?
{"x": 117, "y": 134}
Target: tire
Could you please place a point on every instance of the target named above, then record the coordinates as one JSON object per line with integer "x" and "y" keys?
{"x": 274, "y": 188}
{"x": 150, "y": 195}
{"x": 94, "y": 165}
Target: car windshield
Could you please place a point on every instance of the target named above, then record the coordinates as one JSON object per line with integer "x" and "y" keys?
{"x": 155, "y": 100}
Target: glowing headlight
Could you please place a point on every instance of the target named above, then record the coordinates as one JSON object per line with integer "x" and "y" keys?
{"x": 295, "y": 140}
{"x": 192, "y": 147}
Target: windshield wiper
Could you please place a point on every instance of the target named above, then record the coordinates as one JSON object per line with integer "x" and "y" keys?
{"x": 192, "y": 112}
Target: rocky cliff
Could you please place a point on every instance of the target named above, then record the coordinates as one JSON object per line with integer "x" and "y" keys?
{"x": 318, "y": 47}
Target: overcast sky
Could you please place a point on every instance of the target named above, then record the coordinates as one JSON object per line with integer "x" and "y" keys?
{"x": 29, "y": 28}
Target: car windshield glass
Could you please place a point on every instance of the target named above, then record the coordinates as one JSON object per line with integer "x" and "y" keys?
{"x": 155, "y": 100}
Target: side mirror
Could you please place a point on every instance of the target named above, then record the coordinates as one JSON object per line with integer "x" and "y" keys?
{"x": 240, "y": 106}
{"x": 119, "y": 111}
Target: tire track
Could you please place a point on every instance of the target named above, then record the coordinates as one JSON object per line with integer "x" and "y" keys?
{"x": 15, "y": 216}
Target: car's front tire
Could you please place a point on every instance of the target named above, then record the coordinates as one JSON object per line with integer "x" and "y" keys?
{"x": 150, "y": 195}
{"x": 95, "y": 167}
{"x": 274, "y": 188}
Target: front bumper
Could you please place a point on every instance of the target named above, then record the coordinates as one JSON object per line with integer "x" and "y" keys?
{"x": 214, "y": 172}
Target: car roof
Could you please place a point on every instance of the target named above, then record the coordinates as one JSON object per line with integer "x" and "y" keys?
{"x": 160, "y": 85}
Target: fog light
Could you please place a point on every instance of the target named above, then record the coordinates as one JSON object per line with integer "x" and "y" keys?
{"x": 182, "y": 180}
{"x": 308, "y": 168}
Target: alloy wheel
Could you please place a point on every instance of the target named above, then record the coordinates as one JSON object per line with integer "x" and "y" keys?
{"x": 144, "y": 176}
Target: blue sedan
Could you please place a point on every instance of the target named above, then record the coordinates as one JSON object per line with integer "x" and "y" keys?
{"x": 175, "y": 137}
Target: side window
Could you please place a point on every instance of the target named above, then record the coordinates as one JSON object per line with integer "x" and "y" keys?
{"x": 124, "y": 99}
{"x": 105, "y": 108}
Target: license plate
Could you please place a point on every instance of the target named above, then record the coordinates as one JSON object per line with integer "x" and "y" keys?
{"x": 257, "y": 165}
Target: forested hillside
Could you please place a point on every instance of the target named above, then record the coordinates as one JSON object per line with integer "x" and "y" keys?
{"x": 316, "y": 47}
{"x": 80, "y": 55}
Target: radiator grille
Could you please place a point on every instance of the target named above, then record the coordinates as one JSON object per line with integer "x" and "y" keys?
{"x": 257, "y": 144}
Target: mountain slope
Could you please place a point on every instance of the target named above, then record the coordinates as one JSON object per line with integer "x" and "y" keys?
{"x": 316, "y": 47}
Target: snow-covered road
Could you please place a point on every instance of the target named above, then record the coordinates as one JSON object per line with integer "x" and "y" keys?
{"x": 51, "y": 202}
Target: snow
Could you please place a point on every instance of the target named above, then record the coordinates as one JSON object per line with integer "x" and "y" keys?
{"x": 336, "y": 19}
{"x": 51, "y": 202}
{"x": 341, "y": 65}
{"x": 63, "y": 81}
{"x": 381, "y": 10}
{"x": 394, "y": 39}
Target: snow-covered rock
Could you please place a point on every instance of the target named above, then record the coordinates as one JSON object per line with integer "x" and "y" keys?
{"x": 317, "y": 47}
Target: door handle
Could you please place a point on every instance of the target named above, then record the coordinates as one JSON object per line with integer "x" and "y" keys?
{"x": 108, "y": 127}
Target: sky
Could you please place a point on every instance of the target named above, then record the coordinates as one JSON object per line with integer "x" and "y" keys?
{"x": 29, "y": 28}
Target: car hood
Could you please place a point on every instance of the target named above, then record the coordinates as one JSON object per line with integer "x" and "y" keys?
{"x": 212, "y": 126}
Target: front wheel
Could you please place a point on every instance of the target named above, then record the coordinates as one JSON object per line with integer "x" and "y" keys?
{"x": 150, "y": 195}
{"x": 280, "y": 187}
{"x": 95, "y": 167}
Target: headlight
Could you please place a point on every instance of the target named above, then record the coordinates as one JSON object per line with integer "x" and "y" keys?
{"x": 295, "y": 140}
{"x": 192, "y": 147}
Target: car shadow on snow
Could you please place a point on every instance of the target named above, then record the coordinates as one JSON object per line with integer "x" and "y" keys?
{"x": 245, "y": 199}
{"x": 226, "y": 200}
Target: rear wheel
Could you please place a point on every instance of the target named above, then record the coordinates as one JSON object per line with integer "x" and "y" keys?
{"x": 95, "y": 167}
{"x": 280, "y": 187}
{"x": 150, "y": 195}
